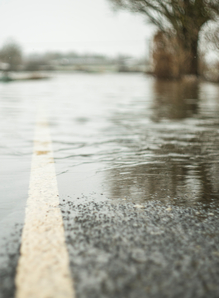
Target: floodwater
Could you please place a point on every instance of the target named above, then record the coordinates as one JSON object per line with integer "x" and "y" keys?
{"x": 118, "y": 136}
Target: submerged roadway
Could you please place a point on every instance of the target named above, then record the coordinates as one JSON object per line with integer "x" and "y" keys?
{"x": 109, "y": 188}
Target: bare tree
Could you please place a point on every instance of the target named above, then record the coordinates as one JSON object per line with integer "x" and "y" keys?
{"x": 211, "y": 36}
{"x": 184, "y": 18}
{"x": 166, "y": 56}
{"x": 12, "y": 55}
{"x": 210, "y": 51}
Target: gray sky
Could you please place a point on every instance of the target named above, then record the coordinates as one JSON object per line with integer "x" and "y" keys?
{"x": 80, "y": 25}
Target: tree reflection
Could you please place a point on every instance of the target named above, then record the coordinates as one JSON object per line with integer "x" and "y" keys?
{"x": 175, "y": 100}
{"x": 171, "y": 160}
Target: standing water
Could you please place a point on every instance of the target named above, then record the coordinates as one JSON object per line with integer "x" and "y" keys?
{"x": 126, "y": 138}
{"x": 131, "y": 137}
{"x": 119, "y": 136}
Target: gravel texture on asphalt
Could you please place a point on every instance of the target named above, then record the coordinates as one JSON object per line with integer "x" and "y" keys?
{"x": 8, "y": 262}
{"x": 121, "y": 249}
{"x": 134, "y": 251}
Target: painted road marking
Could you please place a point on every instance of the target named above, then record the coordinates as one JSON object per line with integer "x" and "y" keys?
{"x": 43, "y": 266}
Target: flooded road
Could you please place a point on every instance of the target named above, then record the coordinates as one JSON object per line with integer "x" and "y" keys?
{"x": 136, "y": 138}
{"x": 121, "y": 142}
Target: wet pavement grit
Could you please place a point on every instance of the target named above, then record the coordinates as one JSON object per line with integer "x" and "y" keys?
{"x": 133, "y": 250}
{"x": 149, "y": 250}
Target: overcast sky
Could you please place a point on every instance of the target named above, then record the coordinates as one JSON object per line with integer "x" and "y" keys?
{"x": 80, "y": 25}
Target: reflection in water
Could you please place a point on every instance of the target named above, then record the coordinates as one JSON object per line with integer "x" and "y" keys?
{"x": 175, "y": 100}
{"x": 175, "y": 156}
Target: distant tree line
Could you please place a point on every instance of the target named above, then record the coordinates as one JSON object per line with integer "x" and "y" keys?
{"x": 13, "y": 59}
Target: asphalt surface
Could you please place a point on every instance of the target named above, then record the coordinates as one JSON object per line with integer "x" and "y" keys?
{"x": 149, "y": 250}
{"x": 9, "y": 256}
{"x": 131, "y": 250}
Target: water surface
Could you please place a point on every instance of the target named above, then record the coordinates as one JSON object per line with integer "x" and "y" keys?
{"x": 131, "y": 137}
{"x": 117, "y": 136}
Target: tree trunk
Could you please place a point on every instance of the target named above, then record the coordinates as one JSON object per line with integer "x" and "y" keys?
{"x": 193, "y": 67}
{"x": 190, "y": 53}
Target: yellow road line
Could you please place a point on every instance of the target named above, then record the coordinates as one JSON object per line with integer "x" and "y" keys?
{"x": 43, "y": 267}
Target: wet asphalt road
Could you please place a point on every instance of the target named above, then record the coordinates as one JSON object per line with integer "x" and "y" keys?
{"x": 160, "y": 251}
{"x": 137, "y": 178}
{"x": 127, "y": 250}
